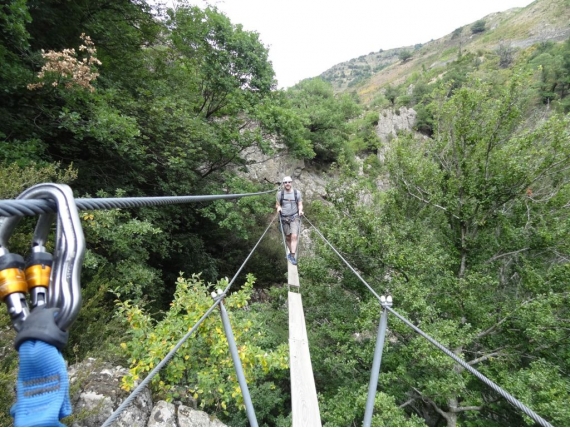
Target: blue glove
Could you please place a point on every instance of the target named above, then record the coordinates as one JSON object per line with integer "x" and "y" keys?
{"x": 42, "y": 388}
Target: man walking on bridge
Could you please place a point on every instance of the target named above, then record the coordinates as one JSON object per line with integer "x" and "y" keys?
{"x": 290, "y": 206}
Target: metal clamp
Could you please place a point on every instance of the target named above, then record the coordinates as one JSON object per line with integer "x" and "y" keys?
{"x": 52, "y": 281}
{"x": 13, "y": 285}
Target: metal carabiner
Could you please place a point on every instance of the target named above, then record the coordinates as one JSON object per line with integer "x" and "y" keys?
{"x": 39, "y": 263}
{"x": 64, "y": 290}
{"x": 13, "y": 285}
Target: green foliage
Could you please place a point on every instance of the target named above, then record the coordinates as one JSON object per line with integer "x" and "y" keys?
{"x": 552, "y": 63}
{"x": 348, "y": 410}
{"x": 457, "y": 33}
{"x": 364, "y": 138}
{"x": 119, "y": 243}
{"x": 541, "y": 387}
{"x": 278, "y": 117}
{"x": 202, "y": 367}
{"x": 239, "y": 215}
{"x": 325, "y": 116}
{"x": 391, "y": 94}
{"x": 478, "y": 26}
{"x": 14, "y": 179}
{"x": 405, "y": 55}
{"x": 467, "y": 240}
{"x": 13, "y": 20}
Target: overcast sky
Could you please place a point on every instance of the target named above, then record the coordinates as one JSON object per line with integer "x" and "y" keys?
{"x": 307, "y": 37}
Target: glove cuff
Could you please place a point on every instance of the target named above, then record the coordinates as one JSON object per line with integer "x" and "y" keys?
{"x": 40, "y": 325}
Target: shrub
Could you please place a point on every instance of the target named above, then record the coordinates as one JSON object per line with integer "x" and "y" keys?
{"x": 202, "y": 367}
{"x": 478, "y": 26}
{"x": 456, "y": 33}
{"x": 404, "y": 55}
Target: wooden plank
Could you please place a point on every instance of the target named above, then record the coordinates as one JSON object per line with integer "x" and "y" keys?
{"x": 304, "y": 402}
{"x": 292, "y": 274}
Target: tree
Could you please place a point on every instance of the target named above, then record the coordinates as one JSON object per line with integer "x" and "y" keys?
{"x": 471, "y": 240}
{"x": 203, "y": 366}
{"x": 478, "y": 26}
{"x": 325, "y": 116}
{"x": 491, "y": 192}
{"x": 405, "y": 55}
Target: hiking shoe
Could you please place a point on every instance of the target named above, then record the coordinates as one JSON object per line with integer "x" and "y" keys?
{"x": 291, "y": 258}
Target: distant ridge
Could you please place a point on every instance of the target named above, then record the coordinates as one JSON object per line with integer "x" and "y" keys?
{"x": 517, "y": 28}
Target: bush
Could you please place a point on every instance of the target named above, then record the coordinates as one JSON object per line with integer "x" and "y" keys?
{"x": 478, "y": 26}
{"x": 456, "y": 33}
{"x": 202, "y": 367}
{"x": 404, "y": 55}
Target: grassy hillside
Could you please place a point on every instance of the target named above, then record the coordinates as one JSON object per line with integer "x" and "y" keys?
{"x": 504, "y": 33}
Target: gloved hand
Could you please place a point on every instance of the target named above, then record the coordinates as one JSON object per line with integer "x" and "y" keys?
{"x": 42, "y": 387}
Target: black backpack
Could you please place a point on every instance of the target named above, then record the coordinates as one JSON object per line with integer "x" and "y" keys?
{"x": 282, "y": 198}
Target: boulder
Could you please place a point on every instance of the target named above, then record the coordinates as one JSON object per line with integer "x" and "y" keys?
{"x": 96, "y": 393}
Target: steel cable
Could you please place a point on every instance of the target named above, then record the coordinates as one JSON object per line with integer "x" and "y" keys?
{"x": 474, "y": 372}
{"x": 282, "y": 233}
{"x": 159, "y": 366}
{"x": 512, "y": 400}
{"x": 31, "y": 207}
{"x": 169, "y": 356}
{"x": 343, "y": 259}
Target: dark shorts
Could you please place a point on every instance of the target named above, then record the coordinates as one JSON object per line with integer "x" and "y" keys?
{"x": 291, "y": 227}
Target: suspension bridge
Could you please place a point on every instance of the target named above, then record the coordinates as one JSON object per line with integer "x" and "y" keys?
{"x": 60, "y": 288}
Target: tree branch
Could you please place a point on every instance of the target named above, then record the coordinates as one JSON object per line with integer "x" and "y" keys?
{"x": 496, "y": 257}
{"x": 466, "y": 408}
{"x": 424, "y": 200}
{"x": 484, "y": 358}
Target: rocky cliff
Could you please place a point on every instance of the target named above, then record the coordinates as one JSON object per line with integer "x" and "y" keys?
{"x": 96, "y": 394}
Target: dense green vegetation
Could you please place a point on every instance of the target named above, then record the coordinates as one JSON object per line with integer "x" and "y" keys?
{"x": 471, "y": 239}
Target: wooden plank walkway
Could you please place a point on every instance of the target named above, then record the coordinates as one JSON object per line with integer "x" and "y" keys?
{"x": 292, "y": 275}
{"x": 304, "y": 402}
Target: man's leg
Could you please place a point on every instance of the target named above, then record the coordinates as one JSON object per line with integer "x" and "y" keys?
{"x": 293, "y": 244}
{"x": 288, "y": 242}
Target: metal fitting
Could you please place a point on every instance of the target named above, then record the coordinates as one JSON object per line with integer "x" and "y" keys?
{"x": 65, "y": 287}
{"x": 39, "y": 263}
{"x": 386, "y": 301}
{"x": 52, "y": 281}
{"x": 13, "y": 285}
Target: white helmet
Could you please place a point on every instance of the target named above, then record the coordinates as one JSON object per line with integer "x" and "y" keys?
{"x": 287, "y": 178}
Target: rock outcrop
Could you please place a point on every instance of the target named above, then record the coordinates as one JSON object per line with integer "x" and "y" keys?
{"x": 273, "y": 167}
{"x": 391, "y": 121}
{"x": 96, "y": 393}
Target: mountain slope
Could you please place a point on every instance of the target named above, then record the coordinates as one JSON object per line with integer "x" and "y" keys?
{"x": 514, "y": 29}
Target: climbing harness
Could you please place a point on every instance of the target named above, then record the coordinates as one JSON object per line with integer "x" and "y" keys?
{"x": 52, "y": 283}
{"x": 282, "y": 196}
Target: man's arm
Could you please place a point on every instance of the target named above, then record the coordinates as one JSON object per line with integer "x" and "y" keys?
{"x": 300, "y": 206}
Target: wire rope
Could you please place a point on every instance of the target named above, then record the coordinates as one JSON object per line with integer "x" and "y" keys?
{"x": 344, "y": 260}
{"x": 282, "y": 233}
{"x": 31, "y": 207}
{"x": 173, "y": 351}
{"x": 512, "y": 400}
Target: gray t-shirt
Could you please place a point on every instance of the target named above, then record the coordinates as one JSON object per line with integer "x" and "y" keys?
{"x": 289, "y": 206}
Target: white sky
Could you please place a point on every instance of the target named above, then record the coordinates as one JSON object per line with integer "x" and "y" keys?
{"x": 307, "y": 37}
